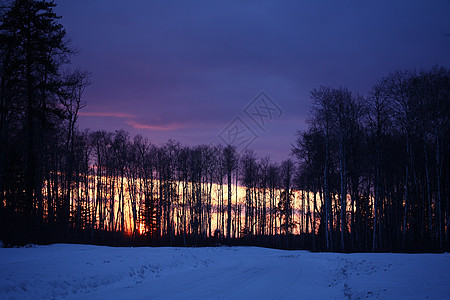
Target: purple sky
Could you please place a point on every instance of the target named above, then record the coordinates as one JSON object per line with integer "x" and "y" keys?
{"x": 187, "y": 69}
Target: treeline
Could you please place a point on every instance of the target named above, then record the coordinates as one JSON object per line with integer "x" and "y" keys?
{"x": 381, "y": 164}
{"x": 130, "y": 186}
{"x": 371, "y": 173}
{"x": 123, "y": 189}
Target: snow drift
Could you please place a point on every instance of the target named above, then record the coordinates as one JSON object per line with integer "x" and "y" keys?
{"x": 85, "y": 271}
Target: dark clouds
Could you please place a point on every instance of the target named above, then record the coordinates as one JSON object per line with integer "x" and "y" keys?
{"x": 185, "y": 69}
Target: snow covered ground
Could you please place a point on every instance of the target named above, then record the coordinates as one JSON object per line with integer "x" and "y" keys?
{"x": 93, "y": 272}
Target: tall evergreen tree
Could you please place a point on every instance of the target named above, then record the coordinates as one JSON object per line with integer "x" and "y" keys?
{"x": 33, "y": 50}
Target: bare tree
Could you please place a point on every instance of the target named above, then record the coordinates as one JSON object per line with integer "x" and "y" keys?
{"x": 229, "y": 154}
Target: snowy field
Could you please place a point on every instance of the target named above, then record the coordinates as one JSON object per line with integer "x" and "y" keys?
{"x": 94, "y": 272}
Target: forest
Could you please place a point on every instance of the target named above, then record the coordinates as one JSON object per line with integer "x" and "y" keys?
{"x": 369, "y": 173}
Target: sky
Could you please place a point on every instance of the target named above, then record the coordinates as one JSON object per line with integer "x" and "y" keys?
{"x": 240, "y": 72}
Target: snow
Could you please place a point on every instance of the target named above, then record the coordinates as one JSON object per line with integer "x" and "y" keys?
{"x": 91, "y": 272}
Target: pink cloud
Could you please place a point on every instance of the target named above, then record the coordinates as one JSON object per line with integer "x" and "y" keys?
{"x": 172, "y": 126}
{"x": 106, "y": 114}
{"x": 136, "y": 125}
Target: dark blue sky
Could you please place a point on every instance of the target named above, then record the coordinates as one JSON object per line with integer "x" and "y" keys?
{"x": 187, "y": 69}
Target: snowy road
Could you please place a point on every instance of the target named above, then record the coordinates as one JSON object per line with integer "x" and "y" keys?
{"x": 92, "y": 272}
